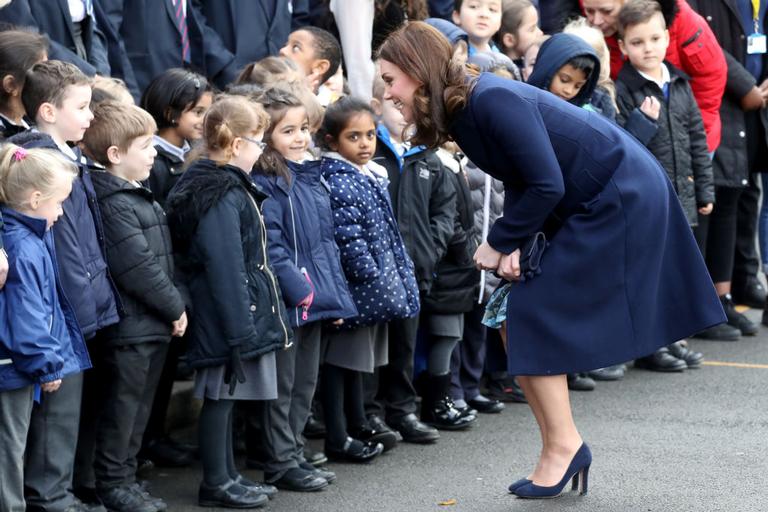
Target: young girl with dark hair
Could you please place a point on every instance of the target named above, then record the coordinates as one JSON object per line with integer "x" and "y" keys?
{"x": 239, "y": 320}
{"x": 379, "y": 272}
{"x": 306, "y": 261}
{"x": 178, "y": 100}
{"x": 19, "y": 51}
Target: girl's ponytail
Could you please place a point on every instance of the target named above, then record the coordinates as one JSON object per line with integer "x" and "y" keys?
{"x": 25, "y": 170}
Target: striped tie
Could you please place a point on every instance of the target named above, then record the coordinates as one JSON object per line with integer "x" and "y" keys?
{"x": 181, "y": 22}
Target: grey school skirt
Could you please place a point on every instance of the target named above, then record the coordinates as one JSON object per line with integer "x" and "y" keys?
{"x": 260, "y": 381}
{"x": 362, "y": 349}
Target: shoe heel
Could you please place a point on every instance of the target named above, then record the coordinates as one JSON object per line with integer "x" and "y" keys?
{"x": 575, "y": 482}
{"x": 582, "y": 478}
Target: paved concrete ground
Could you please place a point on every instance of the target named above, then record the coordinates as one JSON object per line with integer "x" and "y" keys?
{"x": 696, "y": 441}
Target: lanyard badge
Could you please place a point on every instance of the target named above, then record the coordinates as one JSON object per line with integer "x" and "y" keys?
{"x": 756, "y": 43}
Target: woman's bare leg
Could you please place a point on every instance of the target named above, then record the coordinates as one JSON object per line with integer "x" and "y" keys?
{"x": 535, "y": 408}
{"x": 560, "y": 438}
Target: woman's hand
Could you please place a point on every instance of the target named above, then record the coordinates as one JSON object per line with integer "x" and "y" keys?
{"x": 509, "y": 267}
{"x": 486, "y": 257}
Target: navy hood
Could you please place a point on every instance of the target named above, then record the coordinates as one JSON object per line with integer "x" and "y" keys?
{"x": 555, "y": 53}
{"x": 449, "y": 30}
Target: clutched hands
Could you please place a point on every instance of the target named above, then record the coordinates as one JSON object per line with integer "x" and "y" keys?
{"x": 506, "y": 266}
{"x": 233, "y": 372}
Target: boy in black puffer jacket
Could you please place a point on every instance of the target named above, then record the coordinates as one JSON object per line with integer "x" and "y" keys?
{"x": 140, "y": 257}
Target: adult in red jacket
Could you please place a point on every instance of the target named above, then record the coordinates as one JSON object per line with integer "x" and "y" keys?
{"x": 692, "y": 48}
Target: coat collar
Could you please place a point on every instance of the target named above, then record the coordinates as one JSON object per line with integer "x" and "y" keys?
{"x": 635, "y": 81}
{"x": 107, "y": 184}
{"x": 14, "y": 218}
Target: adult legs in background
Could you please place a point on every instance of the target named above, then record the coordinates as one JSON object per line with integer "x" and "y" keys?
{"x": 747, "y": 288}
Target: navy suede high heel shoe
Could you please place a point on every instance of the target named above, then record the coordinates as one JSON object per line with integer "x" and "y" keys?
{"x": 578, "y": 472}
{"x": 519, "y": 483}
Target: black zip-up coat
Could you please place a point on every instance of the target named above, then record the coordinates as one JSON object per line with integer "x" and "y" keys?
{"x": 140, "y": 258}
{"x": 424, "y": 203}
{"x": 217, "y": 228}
{"x": 166, "y": 171}
{"x": 730, "y": 163}
{"x": 677, "y": 138}
{"x": 455, "y": 287}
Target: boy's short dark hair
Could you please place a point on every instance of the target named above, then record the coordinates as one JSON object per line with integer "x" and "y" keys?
{"x": 47, "y": 82}
{"x": 583, "y": 63}
{"x": 635, "y": 12}
{"x": 115, "y": 124}
{"x": 326, "y": 47}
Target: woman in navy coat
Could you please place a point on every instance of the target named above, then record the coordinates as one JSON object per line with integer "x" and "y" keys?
{"x": 622, "y": 275}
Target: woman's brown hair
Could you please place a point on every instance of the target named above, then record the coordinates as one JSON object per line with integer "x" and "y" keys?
{"x": 424, "y": 54}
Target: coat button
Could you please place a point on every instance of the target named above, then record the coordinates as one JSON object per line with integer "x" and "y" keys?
{"x": 253, "y": 308}
{"x": 742, "y": 37}
{"x": 742, "y": 134}
{"x": 709, "y": 18}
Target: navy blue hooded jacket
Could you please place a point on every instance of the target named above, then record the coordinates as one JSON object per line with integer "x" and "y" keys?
{"x": 376, "y": 265}
{"x": 79, "y": 237}
{"x": 39, "y": 337}
{"x": 556, "y": 52}
{"x": 302, "y": 248}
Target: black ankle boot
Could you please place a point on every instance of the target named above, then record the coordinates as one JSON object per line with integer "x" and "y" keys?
{"x": 437, "y": 408}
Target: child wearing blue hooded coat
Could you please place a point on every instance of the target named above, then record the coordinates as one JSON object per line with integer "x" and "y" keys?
{"x": 305, "y": 257}
{"x": 568, "y": 67}
{"x": 38, "y": 352}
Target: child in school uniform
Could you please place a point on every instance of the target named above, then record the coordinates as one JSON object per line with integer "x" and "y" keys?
{"x": 316, "y": 52}
{"x": 380, "y": 276}
{"x": 519, "y": 28}
{"x": 480, "y": 19}
{"x": 239, "y": 319}
{"x": 178, "y": 100}
{"x": 57, "y": 96}
{"x": 656, "y": 105}
{"x": 424, "y": 204}
{"x": 19, "y": 51}
{"x": 305, "y": 257}
{"x": 40, "y": 341}
{"x": 140, "y": 257}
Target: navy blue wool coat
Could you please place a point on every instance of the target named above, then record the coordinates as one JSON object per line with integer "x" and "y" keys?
{"x": 302, "y": 248}
{"x": 623, "y": 275}
{"x": 377, "y": 267}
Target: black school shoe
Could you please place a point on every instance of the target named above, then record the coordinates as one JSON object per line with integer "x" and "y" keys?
{"x": 315, "y": 429}
{"x": 377, "y": 423}
{"x": 681, "y": 350}
{"x": 609, "y": 373}
{"x": 125, "y": 499}
{"x": 387, "y": 438}
{"x": 229, "y": 495}
{"x": 328, "y": 476}
{"x": 505, "y": 389}
{"x": 751, "y": 293}
{"x": 736, "y": 319}
{"x": 486, "y": 406}
{"x": 298, "y": 480}
{"x": 580, "y": 382}
{"x": 721, "y": 332}
{"x": 661, "y": 361}
{"x": 414, "y": 431}
{"x": 355, "y": 450}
